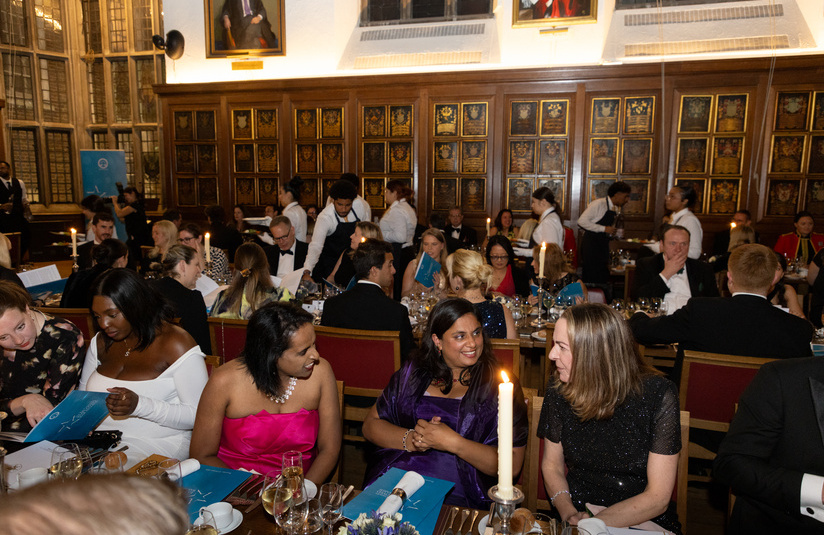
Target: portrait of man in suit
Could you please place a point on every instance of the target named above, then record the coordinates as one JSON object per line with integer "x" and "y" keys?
{"x": 251, "y": 26}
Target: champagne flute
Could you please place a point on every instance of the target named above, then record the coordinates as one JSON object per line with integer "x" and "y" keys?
{"x": 206, "y": 526}
{"x": 330, "y": 502}
{"x": 292, "y": 470}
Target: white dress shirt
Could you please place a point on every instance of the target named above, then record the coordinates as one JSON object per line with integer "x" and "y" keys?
{"x": 549, "y": 229}
{"x": 687, "y": 219}
{"x": 594, "y": 212}
{"x": 359, "y": 206}
{"x": 680, "y": 293}
{"x": 297, "y": 215}
{"x": 7, "y": 184}
{"x": 286, "y": 263}
{"x": 325, "y": 226}
{"x": 398, "y": 223}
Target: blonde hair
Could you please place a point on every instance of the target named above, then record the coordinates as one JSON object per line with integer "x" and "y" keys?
{"x": 555, "y": 264}
{"x": 526, "y": 230}
{"x": 370, "y": 230}
{"x": 753, "y": 268}
{"x": 606, "y": 365}
{"x": 103, "y": 505}
{"x": 168, "y": 229}
{"x": 740, "y": 235}
{"x": 438, "y": 235}
{"x": 470, "y": 267}
{"x": 5, "y": 255}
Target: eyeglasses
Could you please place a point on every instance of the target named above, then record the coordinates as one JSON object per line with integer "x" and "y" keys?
{"x": 493, "y": 257}
{"x": 281, "y": 238}
{"x": 185, "y": 240}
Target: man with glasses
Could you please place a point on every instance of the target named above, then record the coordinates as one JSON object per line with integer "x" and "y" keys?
{"x": 288, "y": 253}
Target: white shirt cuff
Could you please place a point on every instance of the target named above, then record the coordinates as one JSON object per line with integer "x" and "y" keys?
{"x": 811, "y": 496}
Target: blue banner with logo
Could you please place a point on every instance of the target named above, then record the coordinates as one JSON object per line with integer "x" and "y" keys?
{"x": 102, "y": 169}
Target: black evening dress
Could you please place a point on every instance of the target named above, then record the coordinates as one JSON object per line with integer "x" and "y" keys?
{"x": 607, "y": 459}
{"x": 491, "y": 315}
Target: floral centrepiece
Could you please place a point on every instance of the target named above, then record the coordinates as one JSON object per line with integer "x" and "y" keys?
{"x": 378, "y": 524}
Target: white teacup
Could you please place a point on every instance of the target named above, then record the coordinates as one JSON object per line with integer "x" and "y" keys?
{"x": 222, "y": 511}
{"x": 32, "y": 476}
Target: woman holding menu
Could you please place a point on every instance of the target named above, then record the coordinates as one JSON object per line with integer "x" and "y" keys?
{"x": 444, "y": 404}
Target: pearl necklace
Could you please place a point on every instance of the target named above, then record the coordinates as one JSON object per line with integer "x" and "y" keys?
{"x": 281, "y": 399}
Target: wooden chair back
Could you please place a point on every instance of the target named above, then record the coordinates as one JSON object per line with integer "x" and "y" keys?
{"x": 523, "y": 480}
{"x": 508, "y": 353}
{"x": 629, "y": 281}
{"x": 679, "y": 493}
{"x": 212, "y": 362}
{"x": 335, "y": 477}
{"x": 534, "y": 490}
{"x": 363, "y": 360}
{"x": 710, "y": 386}
{"x": 228, "y": 337}
{"x": 81, "y": 317}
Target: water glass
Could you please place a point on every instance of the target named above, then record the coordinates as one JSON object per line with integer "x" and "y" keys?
{"x": 314, "y": 521}
{"x": 331, "y": 501}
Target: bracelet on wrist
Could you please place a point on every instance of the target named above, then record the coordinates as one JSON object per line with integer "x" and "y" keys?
{"x": 552, "y": 500}
{"x": 405, "y": 436}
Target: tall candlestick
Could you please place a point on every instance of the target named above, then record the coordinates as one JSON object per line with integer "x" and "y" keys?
{"x": 488, "y": 221}
{"x": 74, "y": 242}
{"x": 208, "y": 248}
{"x": 505, "y": 390}
{"x": 541, "y": 259}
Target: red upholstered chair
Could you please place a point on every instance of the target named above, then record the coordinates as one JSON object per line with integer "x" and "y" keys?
{"x": 569, "y": 245}
{"x": 711, "y": 384}
{"x": 363, "y": 360}
{"x": 508, "y": 353}
{"x": 81, "y": 317}
{"x": 228, "y": 337}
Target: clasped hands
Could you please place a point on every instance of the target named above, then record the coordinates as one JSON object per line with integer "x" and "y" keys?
{"x": 121, "y": 401}
{"x": 432, "y": 434}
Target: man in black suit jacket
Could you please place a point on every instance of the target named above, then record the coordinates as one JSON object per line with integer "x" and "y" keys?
{"x": 286, "y": 247}
{"x": 366, "y": 306}
{"x": 744, "y": 324}
{"x": 464, "y": 234}
{"x": 103, "y": 226}
{"x": 672, "y": 271}
{"x": 773, "y": 454}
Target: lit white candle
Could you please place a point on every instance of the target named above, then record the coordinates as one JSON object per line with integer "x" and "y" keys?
{"x": 74, "y": 242}
{"x": 541, "y": 259}
{"x": 732, "y": 225}
{"x": 488, "y": 221}
{"x": 208, "y": 251}
{"x": 505, "y": 391}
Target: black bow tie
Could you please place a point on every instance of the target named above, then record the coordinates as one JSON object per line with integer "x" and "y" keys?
{"x": 282, "y": 252}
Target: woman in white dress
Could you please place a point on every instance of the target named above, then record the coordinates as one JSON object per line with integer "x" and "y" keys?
{"x": 398, "y": 227}
{"x": 289, "y": 194}
{"x": 153, "y": 370}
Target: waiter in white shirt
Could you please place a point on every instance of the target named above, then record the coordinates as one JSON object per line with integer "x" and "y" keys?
{"x": 398, "y": 228}
{"x": 680, "y": 200}
{"x": 359, "y": 205}
{"x": 289, "y": 194}
{"x": 333, "y": 231}
{"x": 549, "y": 229}
{"x": 598, "y": 222}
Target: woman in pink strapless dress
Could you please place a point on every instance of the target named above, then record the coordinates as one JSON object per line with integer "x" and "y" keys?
{"x": 278, "y": 396}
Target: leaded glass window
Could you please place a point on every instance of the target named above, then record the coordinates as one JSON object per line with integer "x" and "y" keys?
{"x": 125, "y": 143}
{"x": 146, "y": 100}
{"x": 142, "y": 21}
{"x": 48, "y": 23}
{"x": 118, "y": 30}
{"x": 121, "y": 91}
{"x": 19, "y": 86}
{"x": 97, "y": 93}
{"x": 54, "y": 90}
{"x": 13, "y": 26}
{"x": 407, "y": 11}
{"x": 24, "y": 147}
{"x": 59, "y": 151}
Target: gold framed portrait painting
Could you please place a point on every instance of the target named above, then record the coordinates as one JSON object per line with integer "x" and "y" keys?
{"x": 242, "y": 124}
{"x": 473, "y": 194}
{"x": 373, "y": 189}
{"x": 723, "y": 196}
{"x": 400, "y": 121}
{"x": 231, "y": 33}
{"x": 446, "y": 119}
{"x": 473, "y": 156}
{"x": 639, "y": 115}
{"x": 518, "y": 194}
{"x": 787, "y": 154}
{"x": 521, "y": 157}
{"x": 374, "y": 121}
{"x": 331, "y": 123}
{"x": 692, "y": 155}
{"x": 636, "y": 156}
{"x": 731, "y": 113}
{"x": 695, "y": 114}
{"x": 446, "y": 156}
{"x": 551, "y": 13}
{"x": 523, "y": 118}
{"x": 782, "y": 197}
{"x": 552, "y": 158}
{"x": 791, "y": 110}
{"x": 306, "y": 158}
{"x": 444, "y": 193}
{"x": 603, "y": 155}
{"x": 554, "y": 117}
{"x": 727, "y": 155}
{"x": 605, "y": 113}
{"x": 474, "y": 118}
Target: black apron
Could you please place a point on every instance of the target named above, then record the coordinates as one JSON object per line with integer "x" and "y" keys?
{"x": 335, "y": 244}
{"x": 595, "y": 251}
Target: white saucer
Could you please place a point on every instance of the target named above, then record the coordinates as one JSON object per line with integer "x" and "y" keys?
{"x": 237, "y": 518}
{"x": 483, "y": 521}
{"x": 311, "y": 488}
{"x": 536, "y": 336}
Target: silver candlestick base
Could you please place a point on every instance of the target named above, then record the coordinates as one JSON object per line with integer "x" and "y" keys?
{"x": 75, "y": 266}
{"x": 540, "y": 321}
{"x": 504, "y": 508}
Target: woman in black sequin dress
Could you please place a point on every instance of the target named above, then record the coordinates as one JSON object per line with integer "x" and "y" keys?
{"x": 610, "y": 425}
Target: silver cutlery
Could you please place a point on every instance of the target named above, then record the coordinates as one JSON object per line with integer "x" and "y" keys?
{"x": 464, "y": 516}
{"x": 450, "y": 519}
{"x": 471, "y": 523}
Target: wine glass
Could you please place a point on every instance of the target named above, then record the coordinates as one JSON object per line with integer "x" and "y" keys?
{"x": 169, "y": 470}
{"x": 289, "y": 505}
{"x": 267, "y": 491}
{"x": 66, "y": 462}
{"x": 330, "y": 502}
{"x": 205, "y": 525}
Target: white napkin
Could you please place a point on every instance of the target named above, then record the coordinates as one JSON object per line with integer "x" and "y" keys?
{"x": 188, "y": 466}
{"x": 409, "y": 484}
{"x": 593, "y": 526}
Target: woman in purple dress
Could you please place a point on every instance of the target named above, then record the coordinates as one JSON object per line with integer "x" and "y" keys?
{"x": 439, "y": 414}
{"x": 277, "y": 397}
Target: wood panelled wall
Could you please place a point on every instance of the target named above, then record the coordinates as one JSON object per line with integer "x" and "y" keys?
{"x": 217, "y": 166}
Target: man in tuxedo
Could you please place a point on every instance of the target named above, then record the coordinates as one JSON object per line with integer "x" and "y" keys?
{"x": 773, "y": 454}
{"x": 673, "y": 276}
{"x": 744, "y": 324}
{"x": 466, "y": 235}
{"x": 288, "y": 253}
{"x": 103, "y": 227}
{"x": 366, "y": 306}
{"x": 14, "y": 206}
